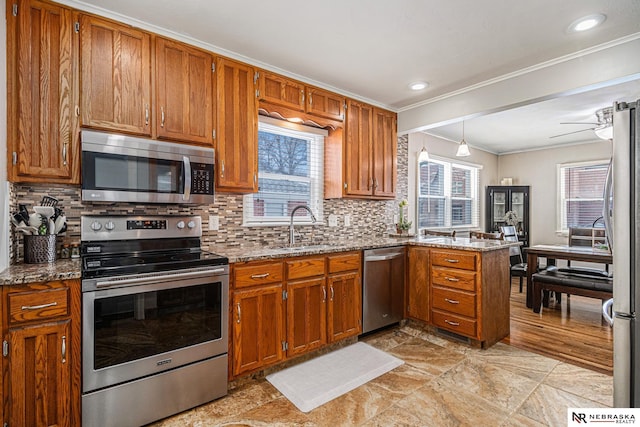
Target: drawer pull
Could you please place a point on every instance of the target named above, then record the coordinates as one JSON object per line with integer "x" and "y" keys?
{"x": 260, "y": 276}
{"x": 452, "y": 261}
{"x": 452, "y": 323}
{"x": 38, "y": 307}
{"x": 64, "y": 349}
{"x": 452, "y": 279}
{"x": 452, "y": 301}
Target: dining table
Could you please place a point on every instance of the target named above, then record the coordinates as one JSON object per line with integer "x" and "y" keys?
{"x": 554, "y": 252}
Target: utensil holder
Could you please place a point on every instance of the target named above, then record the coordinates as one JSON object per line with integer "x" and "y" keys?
{"x": 39, "y": 249}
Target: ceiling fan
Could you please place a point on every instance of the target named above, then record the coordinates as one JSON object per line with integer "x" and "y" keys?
{"x": 603, "y": 128}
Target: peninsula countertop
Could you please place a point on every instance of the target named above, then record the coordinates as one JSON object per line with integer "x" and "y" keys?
{"x": 21, "y": 273}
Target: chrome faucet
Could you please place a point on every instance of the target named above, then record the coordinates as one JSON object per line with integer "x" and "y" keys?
{"x": 292, "y": 237}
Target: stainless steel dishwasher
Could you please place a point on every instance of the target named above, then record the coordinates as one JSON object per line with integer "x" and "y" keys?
{"x": 383, "y": 287}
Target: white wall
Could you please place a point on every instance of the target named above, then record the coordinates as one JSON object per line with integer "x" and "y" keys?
{"x": 4, "y": 196}
{"x": 443, "y": 148}
{"x": 539, "y": 170}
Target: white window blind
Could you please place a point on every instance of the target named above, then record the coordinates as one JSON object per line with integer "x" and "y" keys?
{"x": 447, "y": 194}
{"x": 580, "y": 193}
{"x": 290, "y": 173}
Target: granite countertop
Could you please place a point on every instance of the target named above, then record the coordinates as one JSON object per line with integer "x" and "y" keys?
{"x": 244, "y": 253}
{"x": 18, "y": 274}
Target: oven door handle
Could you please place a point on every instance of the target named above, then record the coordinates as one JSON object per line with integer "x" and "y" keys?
{"x": 160, "y": 278}
{"x": 187, "y": 178}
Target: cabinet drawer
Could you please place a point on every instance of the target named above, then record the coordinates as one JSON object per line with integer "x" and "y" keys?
{"x": 454, "y": 301}
{"x": 454, "y": 323}
{"x": 344, "y": 262}
{"x": 38, "y": 305}
{"x": 258, "y": 274}
{"x": 454, "y": 259}
{"x": 305, "y": 267}
{"x": 453, "y": 278}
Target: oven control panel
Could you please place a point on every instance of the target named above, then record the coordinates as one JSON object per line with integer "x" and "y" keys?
{"x": 139, "y": 227}
{"x": 148, "y": 224}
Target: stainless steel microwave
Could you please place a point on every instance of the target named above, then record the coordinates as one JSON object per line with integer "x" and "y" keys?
{"x": 122, "y": 168}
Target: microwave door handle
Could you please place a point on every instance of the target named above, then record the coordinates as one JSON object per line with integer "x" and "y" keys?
{"x": 187, "y": 178}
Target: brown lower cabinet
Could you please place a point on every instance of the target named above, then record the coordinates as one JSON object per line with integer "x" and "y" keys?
{"x": 287, "y": 307}
{"x": 41, "y": 354}
{"x": 460, "y": 291}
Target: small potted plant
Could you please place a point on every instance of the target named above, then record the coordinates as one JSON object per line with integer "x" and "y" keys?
{"x": 403, "y": 225}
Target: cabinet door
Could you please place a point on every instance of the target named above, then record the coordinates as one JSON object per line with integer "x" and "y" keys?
{"x": 237, "y": 128}
{"x": 115, "y": 69}
{"x": 418, "y": 285}
{"x": 40, "y": 375}
{"x": 385, "y": 146}
{"x": 358, "y": 153}
{"x": 258, "y": 328}
{"x": 325, "y": 104}
{"x": 345, "y": 306}
{"x": 281, "y": 91}
{"x": 41, "y": 96}
{"x": 184, "y": 93}
{"x": 498, "y": 206}
{"x": 306, "y": 315}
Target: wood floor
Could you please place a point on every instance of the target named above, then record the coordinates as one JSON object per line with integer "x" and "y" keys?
{"x": 570, "y": 331}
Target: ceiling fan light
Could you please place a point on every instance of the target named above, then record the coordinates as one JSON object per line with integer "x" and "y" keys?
{"x": 604, "y": 132}
{"x": 463, "y": 149}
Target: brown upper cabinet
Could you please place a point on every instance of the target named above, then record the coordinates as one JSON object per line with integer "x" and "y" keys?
{"x": 43, "y": 145}
{"x": 184, "y": 92}
{"x": 325, "y": 104}
{"x": 237, "y": 127}
{"x": 281, "y": 91}
{"x": 115, "y": 73}
{"x": 370, "y": 166}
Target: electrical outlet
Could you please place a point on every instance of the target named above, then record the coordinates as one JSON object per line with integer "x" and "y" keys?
{"x": 333, "y": 220}
{"x": 347, "y": 220}
{"x": 395, "y": 219}
{"x": 214, "y": 222}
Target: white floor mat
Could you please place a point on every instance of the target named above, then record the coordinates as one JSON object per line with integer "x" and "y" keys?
{"x": 319, "y": 380}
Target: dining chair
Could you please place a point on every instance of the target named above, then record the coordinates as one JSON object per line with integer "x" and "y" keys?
{"x": 518, "y": 266}
{"x": 486, "y": 236}
{"x": 451, "y": 233}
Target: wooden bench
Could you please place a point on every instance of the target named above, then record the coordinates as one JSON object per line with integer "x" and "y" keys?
{"x": 586, "y": 282}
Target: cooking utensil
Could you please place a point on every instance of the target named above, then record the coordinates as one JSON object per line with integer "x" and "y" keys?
{"x": 48, "y": 201}
{"x": 59, "y": 222}
{"x": 28, "y": 230}
{"x": 45, "y": 211}
{"x": 52, "y": 227}
{"x": 35, "y": 219}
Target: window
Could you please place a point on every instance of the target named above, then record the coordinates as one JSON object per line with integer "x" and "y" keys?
{"x": 290, "y": 173}
{"x": 447, "y": 194}
{"x": 580, "y": 190}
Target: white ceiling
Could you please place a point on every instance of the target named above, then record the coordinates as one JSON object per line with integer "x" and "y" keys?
{"x": 372, "y": 49}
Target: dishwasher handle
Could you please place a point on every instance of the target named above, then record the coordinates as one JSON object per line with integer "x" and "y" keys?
{"x": 382, "y": 257}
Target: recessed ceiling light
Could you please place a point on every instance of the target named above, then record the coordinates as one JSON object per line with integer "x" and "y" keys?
{"x": 418, "y": 85}
{"x": 586, "y": 23}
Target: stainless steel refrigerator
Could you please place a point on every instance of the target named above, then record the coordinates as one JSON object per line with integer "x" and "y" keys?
{"x": 625, "y": 215}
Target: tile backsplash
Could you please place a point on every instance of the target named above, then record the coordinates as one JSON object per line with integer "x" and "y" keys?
{"x": 368, "y": 217}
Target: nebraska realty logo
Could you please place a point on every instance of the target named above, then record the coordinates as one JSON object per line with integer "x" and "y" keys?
{"x": 584, "y": 416}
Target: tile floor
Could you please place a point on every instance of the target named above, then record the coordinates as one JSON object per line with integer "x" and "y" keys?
{"x": 442, "y": 383}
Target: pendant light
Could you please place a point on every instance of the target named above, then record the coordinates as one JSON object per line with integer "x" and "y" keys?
{"x": 423, "y": 155}
{"x": 463, "y": 148}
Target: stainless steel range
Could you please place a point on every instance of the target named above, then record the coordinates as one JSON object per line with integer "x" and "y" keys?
{"x": 155, "y": 319}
